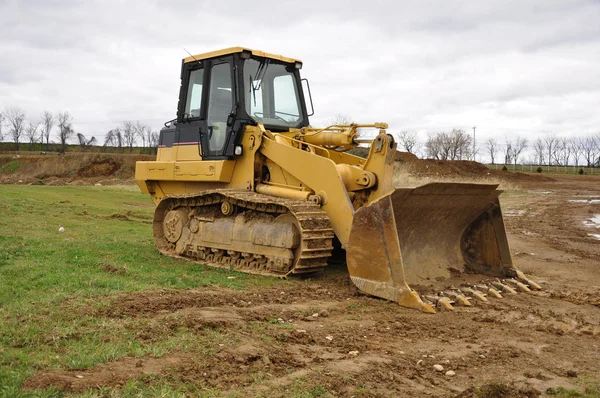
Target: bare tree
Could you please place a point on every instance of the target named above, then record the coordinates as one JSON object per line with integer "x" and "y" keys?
{"x": 129, "y": 133}
{"x": 140, "y": 130}
{"x": 576, "y": 149}
{"x": 153, "y": 138}
{"x": 492, "y": 147}
{"x": 539, "y": 147}
{"x": 32, "y": 133}
{"x": 15, "y": 117}
{"x": 445, "y": 145}
{"x": 434, "y": 147}
{"x": 114, "y": 138}
{"x": 109, "y": 140}
{"x": 409, "y": 141}
{"x": 462, "y": 145}
{"x": 589, "y": 150}
{"x": 563, "y": 151}
{"x": 1, "y": 123}
{"x": 65, "y": 129}
{"x": 519, "y": 146}
{"x": 340, "y": 119}
{"x": 83, "y": 142}
{"x": 454, "y": 145}
{"x": 508, "y": 151}
{"x": 47, "y": 124}
{"x": 597, "y": 157}
{"x": 551, "y": 142}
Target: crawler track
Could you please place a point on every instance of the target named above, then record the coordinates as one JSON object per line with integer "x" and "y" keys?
{"x": 244, "y": 231}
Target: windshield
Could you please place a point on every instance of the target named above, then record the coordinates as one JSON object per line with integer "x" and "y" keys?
{"x": 271, "y": 94}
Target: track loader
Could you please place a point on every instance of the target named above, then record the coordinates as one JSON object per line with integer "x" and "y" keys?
{"x": 242, "y": 181}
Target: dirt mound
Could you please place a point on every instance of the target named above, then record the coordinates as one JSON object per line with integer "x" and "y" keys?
{"x": 140, "y": 304}
{"x": 444, "y": 167}
{"x": 405, "y": 157}
{"x": 70, "y": 169}
{"x": 499, "y": 390}
{"x": 432, "y": 169}
{"x": 103, "y": 167}
{"x": 112, "y": 374}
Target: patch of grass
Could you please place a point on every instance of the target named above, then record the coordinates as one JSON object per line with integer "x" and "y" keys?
{"x": 10, "y": 167}
{"x": 54, "y": 284}
{"x": 285, "y": 326}
{"x": 355, "y": 306}
{"x": 562, "y": 392}
{"x": 302, "y": 388}
{"x": 266, "y": 339}
{"x": 590, "y": 385}
{"x": 493, "y": 390}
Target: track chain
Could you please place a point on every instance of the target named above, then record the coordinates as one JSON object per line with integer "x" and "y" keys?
{"x": 313, "y": 224}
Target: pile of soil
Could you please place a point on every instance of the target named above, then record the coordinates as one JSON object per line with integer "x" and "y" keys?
{"x": 407, "y": 163}
{"x": 101, "y": 167}
{"x": 71, "y": 168}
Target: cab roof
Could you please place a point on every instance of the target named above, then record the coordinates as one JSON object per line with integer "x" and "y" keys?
{"x": 233, "y": 50}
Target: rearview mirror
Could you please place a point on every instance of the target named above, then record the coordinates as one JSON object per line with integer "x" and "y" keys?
{"x": 306, "y": 90}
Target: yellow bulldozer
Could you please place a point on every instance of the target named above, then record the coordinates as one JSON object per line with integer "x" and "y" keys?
{"x": 242, "y": 181}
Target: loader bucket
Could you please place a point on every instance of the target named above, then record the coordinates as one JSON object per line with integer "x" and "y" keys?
{"x": 424, "y": 236}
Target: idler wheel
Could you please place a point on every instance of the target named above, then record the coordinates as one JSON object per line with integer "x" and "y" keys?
{"x": 173, "y": 224}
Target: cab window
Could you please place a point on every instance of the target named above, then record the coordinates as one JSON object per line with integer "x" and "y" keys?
{"x": 220, "y": 105}
{"x": 194, "y": 94}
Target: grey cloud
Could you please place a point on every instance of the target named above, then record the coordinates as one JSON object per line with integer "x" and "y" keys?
{"x": 427, "y": 65}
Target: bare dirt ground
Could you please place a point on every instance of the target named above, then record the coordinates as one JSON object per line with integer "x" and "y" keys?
{"x": 79, "y": 168}
{"x": 323, "y": 336}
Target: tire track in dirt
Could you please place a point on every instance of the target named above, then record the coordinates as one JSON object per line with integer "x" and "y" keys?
{"x": 323, "y": 333}
{"x": 344, "y": 341}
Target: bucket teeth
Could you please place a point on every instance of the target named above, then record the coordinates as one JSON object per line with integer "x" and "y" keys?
{"x": 458, "y": 298}
{"x": 523, "y": 278}
{"x": 475, "y": 293}
{"x": 504, "y": 288}
{"x": 490, "y": 291}
{"x": 518, "y": 285}
{"x": 441, "y": 303}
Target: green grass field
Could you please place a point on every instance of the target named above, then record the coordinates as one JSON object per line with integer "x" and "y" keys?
{"x": 55, "y": 286}
{"x": 50, "y": 280}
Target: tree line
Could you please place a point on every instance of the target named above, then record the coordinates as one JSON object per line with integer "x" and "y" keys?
{"x": 35, "y": 131}
{"x": 128, "y": 134}
{"x": 547, "y": 150}
{"x": 15, "y": 126}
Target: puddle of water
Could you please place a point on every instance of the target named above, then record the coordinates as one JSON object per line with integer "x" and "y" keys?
{"x": 542, "y": 192}
{"x": 514, "y": 213}
{"x": 588, "y": 201}
{"x": 593, "y": 222}
{"x": 597, "y": 236}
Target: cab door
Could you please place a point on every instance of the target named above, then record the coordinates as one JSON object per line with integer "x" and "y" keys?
{"x": 189, "y": 124}
{"x": 220, "y": 94}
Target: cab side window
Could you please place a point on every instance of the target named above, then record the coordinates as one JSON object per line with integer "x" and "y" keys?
{"x": 286, "y": 99}
{"x": 194, "y": 94}
{"x": 220, "y": 105}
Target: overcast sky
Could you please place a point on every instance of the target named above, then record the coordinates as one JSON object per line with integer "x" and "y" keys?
{"x": 507, "y": 67}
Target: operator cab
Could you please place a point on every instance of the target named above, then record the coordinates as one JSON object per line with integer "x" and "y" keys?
{"x": 223, "y": 91}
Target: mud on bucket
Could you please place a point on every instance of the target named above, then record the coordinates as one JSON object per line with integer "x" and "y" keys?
{"x": 414, "y": 236}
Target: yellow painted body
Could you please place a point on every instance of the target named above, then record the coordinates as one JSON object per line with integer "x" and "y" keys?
{"x": 231, "y": 50}
{"x": 392, "y": 237}
{"x": 336, "y": 179}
